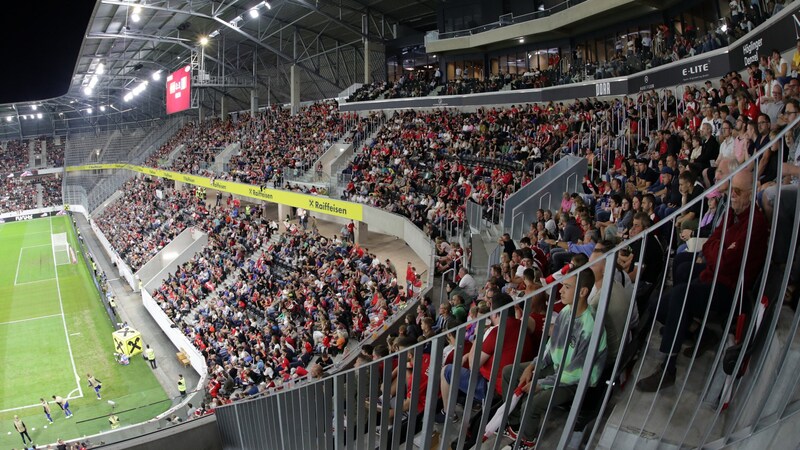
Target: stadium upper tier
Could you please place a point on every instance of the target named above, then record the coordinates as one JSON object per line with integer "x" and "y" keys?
{"x": 528, "y": 62}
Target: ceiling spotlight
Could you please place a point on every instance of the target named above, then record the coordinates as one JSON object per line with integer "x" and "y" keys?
{"x": 136, "y": 14}
{"x": 101, "y": 69}
{"x": 157, "y": 75}
{"x": 128, "y": 97}
{"x": 87, "y": 90}
{"x": 522, "y": 40}
{"x": 24, "y": 117}
{"x": 254, "y": 13}
{"x": 267, "y": 5}
{"x": 102, "y": 108}
{"x": 203, "y": 41}
{"x": 38, "y": 115}
{"x": 33, "y": 107}
{"x": 89, "y": 110}
{"x": 8, "y": 119}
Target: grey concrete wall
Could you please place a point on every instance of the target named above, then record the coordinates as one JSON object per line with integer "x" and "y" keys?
{"x": 198, "y": 434}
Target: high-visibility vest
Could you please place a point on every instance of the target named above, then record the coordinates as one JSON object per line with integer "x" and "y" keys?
{"x": 182, "y": 385}
{"x": 151, "y": 354}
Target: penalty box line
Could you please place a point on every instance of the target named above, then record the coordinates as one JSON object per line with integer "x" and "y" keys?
{"x": 19, "y": 262}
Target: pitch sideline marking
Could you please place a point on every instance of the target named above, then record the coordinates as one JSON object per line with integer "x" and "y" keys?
{"x": 63, "y": 318}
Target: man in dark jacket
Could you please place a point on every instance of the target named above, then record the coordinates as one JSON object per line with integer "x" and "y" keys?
{"x": 710, "y": 147}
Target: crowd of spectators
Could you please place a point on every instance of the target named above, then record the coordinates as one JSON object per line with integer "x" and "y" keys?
{"x": 261, "y": 303}
{"x": 202, "y": 146}
{"x": 20, "y": 193}
{"x": 278, "y": 141}
{"x": 187, "y": 133}
{"x": 411, "y": 84}
{"x": 271, "y": 142}
{"x": 424, "y": 165}
{"x": 15, "y": 155}
{"x": 621, "y": 198}
{"x": 144, "y": 220}
{"x": 299, "y": 299}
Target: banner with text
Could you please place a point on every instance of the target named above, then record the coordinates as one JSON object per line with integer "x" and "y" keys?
{"x": 322, "y": 205}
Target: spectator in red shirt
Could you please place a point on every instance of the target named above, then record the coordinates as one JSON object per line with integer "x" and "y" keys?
{"x": 676, "y": 316}
{"x": 484, "y": 356}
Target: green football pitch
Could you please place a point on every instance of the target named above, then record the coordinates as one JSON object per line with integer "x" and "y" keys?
{"x": 53, "y": 331}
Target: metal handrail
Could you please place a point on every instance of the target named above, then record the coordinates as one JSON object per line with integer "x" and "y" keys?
{"x": 436, "y": 345}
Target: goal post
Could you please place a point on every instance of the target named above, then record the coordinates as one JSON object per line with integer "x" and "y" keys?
{"x": 61, "y": 249}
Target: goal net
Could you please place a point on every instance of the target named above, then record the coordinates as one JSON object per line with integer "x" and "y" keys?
{"x": 61, "y": 249}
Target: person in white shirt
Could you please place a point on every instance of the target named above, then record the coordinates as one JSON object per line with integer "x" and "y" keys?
{"x": 773, "y": 105}
{"x": 468, "y": 283}
{"x": 779, "y": 66}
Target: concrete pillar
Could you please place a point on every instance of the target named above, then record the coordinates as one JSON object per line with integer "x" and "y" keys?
{"x": 223, "y": 106}
{"x": 294, "y": 80}
{"x": 283, "y": 211}
{"x": 361, "y": 233}
{"x": 365, "y": 32}
{"x": 31, "y": 155}
{"x": 201, "y": 113}
{"x": 366, "y": 62}
{"x": 253, "y": 102}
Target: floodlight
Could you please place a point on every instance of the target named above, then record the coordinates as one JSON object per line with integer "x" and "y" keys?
{"x": 102, "y": 108}
{"x": 254, "y": 13}
{"x": 157, "y": 75}
{"x": 38, "y": 115}
{"x": 136, "y": 14}
{"x": 203, "y": 41}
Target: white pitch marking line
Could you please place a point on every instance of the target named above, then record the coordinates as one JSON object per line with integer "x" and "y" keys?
{"x": 28, "y": 320}
{"x": 33, "y": 282}
{"x": 74, "y": 334}
{"x": 63, "y": 318}
{"x": 69, "y": 397}
{"x": 18, "y": 262}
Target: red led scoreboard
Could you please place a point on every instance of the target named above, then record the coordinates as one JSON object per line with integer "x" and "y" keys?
{"x": 179, "y": 90}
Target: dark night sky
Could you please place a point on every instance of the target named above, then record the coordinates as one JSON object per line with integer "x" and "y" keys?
{"x": 41, "y": 41}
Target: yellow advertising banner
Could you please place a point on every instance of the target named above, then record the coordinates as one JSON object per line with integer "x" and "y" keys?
{"x": 322, "y": 205}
